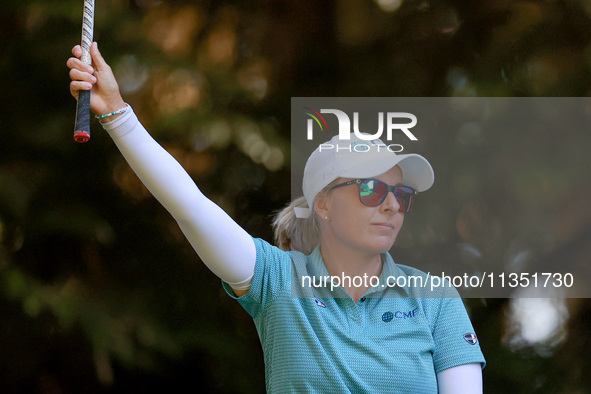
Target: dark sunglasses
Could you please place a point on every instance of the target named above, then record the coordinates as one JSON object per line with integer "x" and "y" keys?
{"x": 373, "y": 193}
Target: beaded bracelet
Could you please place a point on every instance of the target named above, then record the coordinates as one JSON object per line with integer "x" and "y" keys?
{"x": 119, "y": 111}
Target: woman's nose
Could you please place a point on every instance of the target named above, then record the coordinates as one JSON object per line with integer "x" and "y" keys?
{"x": 390, "y": 202}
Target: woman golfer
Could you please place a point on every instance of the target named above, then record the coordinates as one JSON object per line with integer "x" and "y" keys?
{"x": 365, "y": 329}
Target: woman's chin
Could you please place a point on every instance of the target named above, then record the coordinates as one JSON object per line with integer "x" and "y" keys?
{"x": 382, "y": 245}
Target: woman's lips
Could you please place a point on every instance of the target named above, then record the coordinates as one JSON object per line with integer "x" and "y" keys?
{"x": 384, "y": 225}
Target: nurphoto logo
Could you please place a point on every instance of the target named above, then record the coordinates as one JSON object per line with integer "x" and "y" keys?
{"x": 390, "y": 119}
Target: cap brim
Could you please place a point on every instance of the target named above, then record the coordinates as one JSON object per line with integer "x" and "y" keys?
{"x": 416, "y": 170}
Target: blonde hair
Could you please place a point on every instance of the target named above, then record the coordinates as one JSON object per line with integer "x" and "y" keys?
{"x": 292, "y": 233}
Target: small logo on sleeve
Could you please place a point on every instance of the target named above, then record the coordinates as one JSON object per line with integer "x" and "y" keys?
{"x": 471, "y": 338}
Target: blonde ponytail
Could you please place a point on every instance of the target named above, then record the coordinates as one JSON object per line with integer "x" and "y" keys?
{"x": 292, "y": 233}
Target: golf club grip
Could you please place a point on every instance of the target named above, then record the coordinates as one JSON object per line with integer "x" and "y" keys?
{"x": 82, "y": 127}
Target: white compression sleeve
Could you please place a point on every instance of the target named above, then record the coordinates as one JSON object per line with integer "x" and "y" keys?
{"x": 463, "y": 379}
{"x": 221, "y": 243}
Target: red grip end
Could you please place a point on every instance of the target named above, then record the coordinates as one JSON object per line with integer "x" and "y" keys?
{"x": 81, "y": 136}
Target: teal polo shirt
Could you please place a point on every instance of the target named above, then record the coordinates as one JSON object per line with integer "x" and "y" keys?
{"x": 315, "y": 340}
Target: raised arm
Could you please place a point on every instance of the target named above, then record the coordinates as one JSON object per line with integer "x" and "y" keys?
{"x": 222, "y": 244}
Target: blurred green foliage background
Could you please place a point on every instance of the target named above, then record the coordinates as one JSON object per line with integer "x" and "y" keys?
{"x": 99, "y": 291}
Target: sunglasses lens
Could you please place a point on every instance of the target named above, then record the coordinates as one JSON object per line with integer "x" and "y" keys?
{"x": 371, "y": 192}
{"x": 405, "y": 197}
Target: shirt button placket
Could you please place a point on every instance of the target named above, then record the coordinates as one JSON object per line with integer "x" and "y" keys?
{"x": 355, "y": 322}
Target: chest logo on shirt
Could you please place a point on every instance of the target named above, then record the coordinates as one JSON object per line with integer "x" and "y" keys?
{"x": 319, "y": 303}
{"x": 387, "y": 317}
{"x": 471, "y": 338}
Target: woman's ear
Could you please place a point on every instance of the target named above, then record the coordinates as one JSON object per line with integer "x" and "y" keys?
{"x": 322, "y": 204}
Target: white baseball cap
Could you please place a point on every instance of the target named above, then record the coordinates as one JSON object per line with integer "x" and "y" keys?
{"x": 358, "y": 158}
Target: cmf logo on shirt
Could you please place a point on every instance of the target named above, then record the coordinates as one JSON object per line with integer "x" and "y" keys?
{"x": 389, "y": 122}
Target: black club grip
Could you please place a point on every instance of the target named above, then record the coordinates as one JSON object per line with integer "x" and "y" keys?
{"x": 82, "y": 129}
